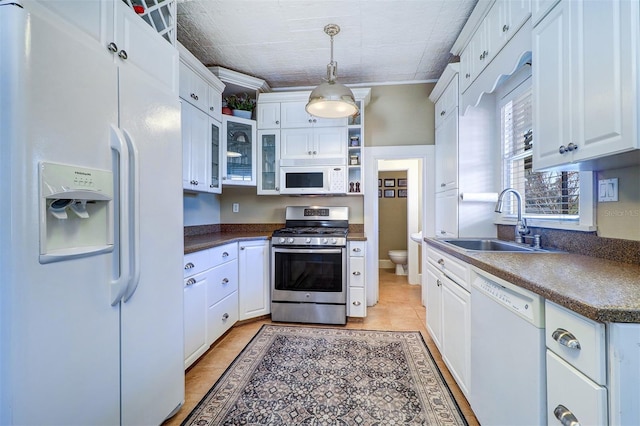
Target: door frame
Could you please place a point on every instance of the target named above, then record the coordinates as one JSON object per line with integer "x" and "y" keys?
{"x": 403, "y": 152}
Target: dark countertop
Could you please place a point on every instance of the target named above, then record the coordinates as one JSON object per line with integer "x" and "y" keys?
{"x": 603, "y": 290}
{"x": 193, "y": 243}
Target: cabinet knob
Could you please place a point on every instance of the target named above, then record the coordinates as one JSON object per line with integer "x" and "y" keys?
{"x": 562, "y": 149}
{"x": 357, "y": 303}
{"x": 441, "y": 261}
{"x": 442, "y": 113}
{"x": 191, "y": 281}
{"x": 112, "y": 47}
{"x": 442, "y": 185}
{"x": 310, "y": 120}
{"x": 123, "y": 54}
{"x": 189, "y": 266}
{"x": 277, "y": 121}
{"x": 225, "y": 316}
{"x": 225, "y": 281}
{"x": 505, "y": 28}
{"x": 572, "y": 147}
{"x": 438, "y": 283}
{"x": 357, "y": 249}
{"x": 194, "y": 96}
{"x": 565, "y": 416}
{"x": 356, "y": 273}
{"x": 225, "y": 254}
{"x": 309, "y": 152}
{"x": 467, "y": 75}
{"x": 212, "y": 186}
{"x": 211, "y": 108}
{"x": 565, "y": 338}
{"x": 241, "y": 248}
{"x": 443, "y": 232}
{"x": 315, "y": 152}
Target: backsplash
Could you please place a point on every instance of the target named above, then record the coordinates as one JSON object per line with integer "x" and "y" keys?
{"x": 586, "y": 243}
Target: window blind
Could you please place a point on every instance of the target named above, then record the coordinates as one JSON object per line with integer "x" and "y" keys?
{"x": 546, "y": 194}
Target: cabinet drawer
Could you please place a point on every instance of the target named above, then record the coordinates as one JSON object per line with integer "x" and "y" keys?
{"x": 196, "y": 262}
{"x": 224, "y": 253}
{"x": 223, "y": 282}
{"x": 356, "y": 248}
{"x": 566, "y": 329}
{"x": 453, "y": 268}
{"x": 221, "y": 316}
{"x": 357, "y": 305}
{"x": 571, "y": 393}
{"x": 356, "y": 271}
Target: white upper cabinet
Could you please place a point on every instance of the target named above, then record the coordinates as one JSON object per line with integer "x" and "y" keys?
{"x": 585, "y": 82}
{"x": 269, "y": 115}
{"x": 126, "y": 35}
{"x": 238, "y": 151}
{"x": 317, "y": 143}
{"x": 499, "y": 25}
{"x": 447, "y": 138}
{"x": 294, "y": 115}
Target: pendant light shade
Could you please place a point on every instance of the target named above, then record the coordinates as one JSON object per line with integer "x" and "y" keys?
{"x": 332, "y": 99}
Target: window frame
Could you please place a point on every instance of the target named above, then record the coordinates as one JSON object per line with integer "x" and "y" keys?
{"x": 516, "y": 85}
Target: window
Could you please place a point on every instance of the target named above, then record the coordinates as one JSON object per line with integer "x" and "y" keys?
{"x": 547, "y": 195}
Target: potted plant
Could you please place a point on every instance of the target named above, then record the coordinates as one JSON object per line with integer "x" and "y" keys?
{"x": 241, "y": 105}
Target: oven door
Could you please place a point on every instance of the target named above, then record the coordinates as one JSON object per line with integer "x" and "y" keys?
{"x": 316, "y": 275}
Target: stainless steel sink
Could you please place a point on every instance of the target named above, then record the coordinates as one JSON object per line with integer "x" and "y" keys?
{"x": 490, "y": 245}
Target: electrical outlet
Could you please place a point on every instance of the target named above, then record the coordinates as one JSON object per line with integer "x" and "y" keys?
{"x": 607, "y": 190}
{"x": 236, "y": 207}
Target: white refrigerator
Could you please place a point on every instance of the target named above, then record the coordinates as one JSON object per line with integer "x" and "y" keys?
{"x": 91, "y": 240}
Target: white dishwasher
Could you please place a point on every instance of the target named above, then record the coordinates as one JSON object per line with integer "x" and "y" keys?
{"x": 508, "y": 381}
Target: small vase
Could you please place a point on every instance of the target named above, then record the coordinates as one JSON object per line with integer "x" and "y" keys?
{"x": 241, "y": 113}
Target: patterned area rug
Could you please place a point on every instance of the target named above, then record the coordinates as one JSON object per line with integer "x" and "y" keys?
{"x": 330, "y": 376}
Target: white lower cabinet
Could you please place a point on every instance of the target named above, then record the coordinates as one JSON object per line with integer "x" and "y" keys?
{"x": 573, "y": 398}
{"x": 253, "y": 276}
{"x": 456, "y": 332}
{"x": 210, "y": 298}
{"x": 356, "y": 294}
{"x": 434, "y": 305}
{"x": 195, "y": 317}
{"x": 448, "y": 308}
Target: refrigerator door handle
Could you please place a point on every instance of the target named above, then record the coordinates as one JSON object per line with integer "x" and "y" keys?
{"x": 133, "y": 216}
{"x": 123, "y": 269}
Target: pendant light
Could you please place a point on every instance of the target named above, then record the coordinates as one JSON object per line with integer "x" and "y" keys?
{"x": 332, "y": 99}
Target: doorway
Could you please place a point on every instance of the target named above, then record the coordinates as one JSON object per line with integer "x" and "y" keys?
{"x": 418, "y": 160}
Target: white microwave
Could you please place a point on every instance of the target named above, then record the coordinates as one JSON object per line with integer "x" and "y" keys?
{"x": 313, "y": 180}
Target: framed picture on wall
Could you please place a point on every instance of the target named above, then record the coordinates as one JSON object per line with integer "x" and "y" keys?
{"x": 379, "y": 183}
{"x": 389, "y": 183}
{"x": 402, "y": 193}
{"x": 389, "y": 193}
{"x": 379, "y": 193}
{"x": 402, "y": 183}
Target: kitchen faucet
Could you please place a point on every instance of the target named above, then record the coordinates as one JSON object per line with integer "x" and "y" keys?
{"x": 521, "y": 224}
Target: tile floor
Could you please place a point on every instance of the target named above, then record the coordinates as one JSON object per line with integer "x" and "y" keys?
{"x": 399, "y": 308}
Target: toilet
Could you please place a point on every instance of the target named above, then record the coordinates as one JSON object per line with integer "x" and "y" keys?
{"x": 399, "y": 257}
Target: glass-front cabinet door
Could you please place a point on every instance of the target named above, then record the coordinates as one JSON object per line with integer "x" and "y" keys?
{"x": 268, "y": 162}
{"x": 239, "y": 151}
{"x": 214, "y": 165}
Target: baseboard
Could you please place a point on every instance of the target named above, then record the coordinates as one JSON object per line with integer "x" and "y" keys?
{"x": 386, "y": 264}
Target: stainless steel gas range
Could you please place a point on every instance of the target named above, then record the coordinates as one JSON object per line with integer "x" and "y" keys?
{"x": 309, "y": 266}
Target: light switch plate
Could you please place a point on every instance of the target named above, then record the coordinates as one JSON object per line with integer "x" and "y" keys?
{"x": 607, "y": 190}
{"x": 235, "y": 207}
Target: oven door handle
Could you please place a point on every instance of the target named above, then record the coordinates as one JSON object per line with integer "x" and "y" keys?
{"x": 311, "y": 251}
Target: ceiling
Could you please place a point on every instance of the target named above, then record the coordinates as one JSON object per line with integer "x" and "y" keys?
{"x": 283, "y": 41}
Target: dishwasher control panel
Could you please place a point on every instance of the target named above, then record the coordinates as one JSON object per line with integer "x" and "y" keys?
{"x": 515, "y": 301}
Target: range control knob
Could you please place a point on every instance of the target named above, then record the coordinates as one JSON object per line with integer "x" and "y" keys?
{"x": 290, "y": 240}
{"x": 324, "y": 241}
{"x": 308, "y": 240}
{"x": 282, "y": 240}
{"x": 334, "y": 241}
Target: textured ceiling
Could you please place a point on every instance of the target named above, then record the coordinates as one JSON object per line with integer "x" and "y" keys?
{"x": 283, "y": 42}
